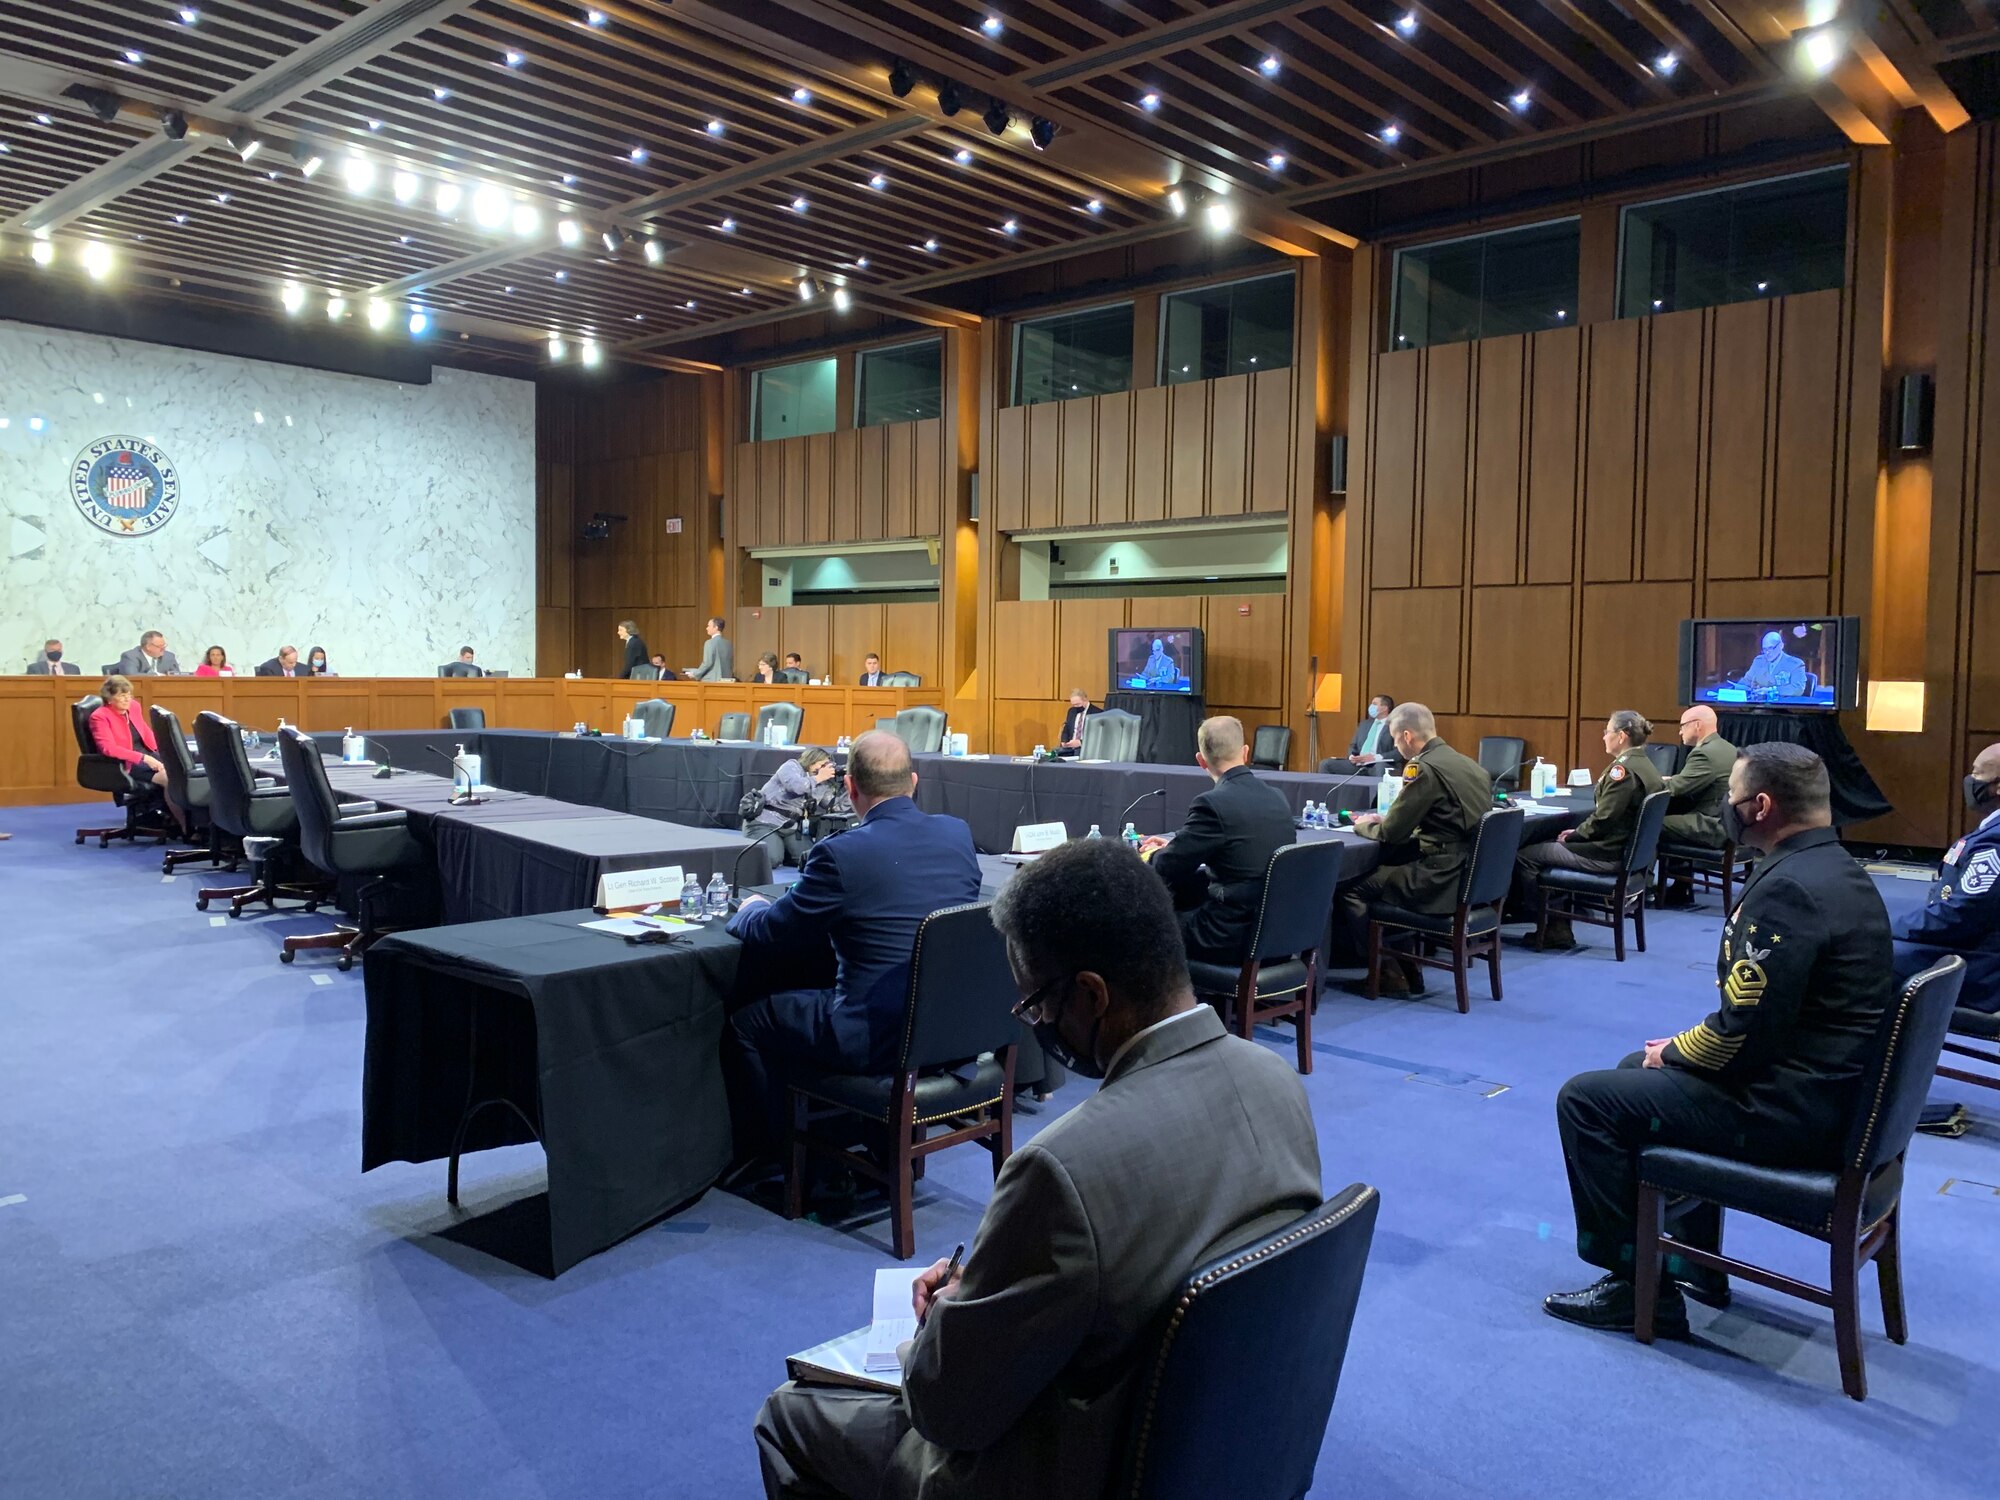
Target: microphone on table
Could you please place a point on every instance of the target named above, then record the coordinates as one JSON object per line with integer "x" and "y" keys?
{"x": 792, "y": 820}
{"x": 385, "y": 770}
{"x": 467, "y": 798}
{"x": 1158, "y": 791}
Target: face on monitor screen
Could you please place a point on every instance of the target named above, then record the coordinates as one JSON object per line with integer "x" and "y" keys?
{"x": 1783, "y": 663}
{"x": 1155, "y": 661}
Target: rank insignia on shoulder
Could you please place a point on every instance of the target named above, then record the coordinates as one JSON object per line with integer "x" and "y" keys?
{"x": 1618, "y": 772}
{"x": 1410, "y": 771}
{"x": 1745, "y": 984}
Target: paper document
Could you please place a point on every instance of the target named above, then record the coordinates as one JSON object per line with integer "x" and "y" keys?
{"x": 895, "y": 1319}
{"x": 1534, "y": 807}
{"x": 841, "y": 1361}
{"x": 633, "y": 926}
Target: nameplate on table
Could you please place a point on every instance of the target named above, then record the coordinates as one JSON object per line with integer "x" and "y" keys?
{"x": 1039, "y": 838}
{"x": 628, "y": 888}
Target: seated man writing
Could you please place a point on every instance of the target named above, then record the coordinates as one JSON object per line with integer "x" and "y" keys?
{"x": 1021, "y": 1379}
{"x": 1770, "y": 1077}
{"x": 863, "y": 894}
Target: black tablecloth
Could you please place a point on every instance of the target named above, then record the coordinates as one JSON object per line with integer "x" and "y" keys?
{"x": 1856, "y": 797}
{"x": 1167, "y": 724}
{"x": 610, "y": 1049}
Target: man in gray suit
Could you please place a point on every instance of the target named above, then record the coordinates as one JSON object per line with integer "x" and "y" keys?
{"x": 1021, "y": 1379}
{"x": 150, "y": 658}
{"x": 718, "y": 656}
{"x": 51, "y": 664}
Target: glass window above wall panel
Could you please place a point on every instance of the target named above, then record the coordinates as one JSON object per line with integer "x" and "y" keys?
{"x": 1074, "y": 354}
{"x": 1485, "y": 285}
{"x": 903, "y": 383}
{"x": 1238, "y": 328}
{"x": 793, "y": 400}
{"x": 1736, "y": 244}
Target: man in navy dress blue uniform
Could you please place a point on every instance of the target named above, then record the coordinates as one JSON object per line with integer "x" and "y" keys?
{"x": 863, "y": 893}
{"x": 1962, "y": 912}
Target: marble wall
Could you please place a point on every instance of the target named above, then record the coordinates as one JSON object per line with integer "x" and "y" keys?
{"x": 390, "y": 524}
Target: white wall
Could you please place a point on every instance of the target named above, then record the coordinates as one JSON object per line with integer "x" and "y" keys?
{"x": 389, "y": 523}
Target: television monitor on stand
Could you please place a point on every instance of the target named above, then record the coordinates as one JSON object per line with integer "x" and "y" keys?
{"x": 1157, "y": 659}
{"x": 1810, "y": 664}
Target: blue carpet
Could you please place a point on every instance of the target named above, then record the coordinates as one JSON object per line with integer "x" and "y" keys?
{"x": 202, "y": 1296}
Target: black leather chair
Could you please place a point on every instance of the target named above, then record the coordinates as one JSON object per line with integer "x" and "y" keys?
{"x": 1666, "y": 758}
{"x": 1976, "y": 1025}
{"x": 246, "y": 811}
{"x": 922, "y": 729}
{"x": 644, "y": 672}
{"x": 1280, "y": 977}
{"x": 734, "y": 726}
{"x": 98, "y": 772}
{"x": 901, "y": 679}
{"x": 790, "y": 715}
{"x": 657, "y": 715}
{"x": 1473, "y": 928}
{"x": 1236, "y": 1399}
{"x": 1271, "y": 746}
{"x": 956, "y": 1069}
{"x": 1500, "y": 756}
{"x": 1110, "y": 734}
{"x": 343, "y": 843}
{"x": 468, "y": 718}
{"x": 1855, "y": 1208}
{"x": 793, "y": 674}
{"x": 1705, "y": 867}
{"x": 187, "y": 794}
{"x": 1606, "y": 900}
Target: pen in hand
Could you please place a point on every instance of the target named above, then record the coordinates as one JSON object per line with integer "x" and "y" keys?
{"x": 950, "y": 1270}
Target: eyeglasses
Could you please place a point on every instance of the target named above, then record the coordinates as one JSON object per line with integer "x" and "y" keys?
{"x": 1029, "y": 1007}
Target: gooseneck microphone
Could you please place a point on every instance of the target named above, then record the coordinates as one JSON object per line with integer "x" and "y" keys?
{"x": 1158, "y": 791}
{"x": 792, "y": 820}
{"x": 467, "y": 798}
{"x": 385, "y": 770}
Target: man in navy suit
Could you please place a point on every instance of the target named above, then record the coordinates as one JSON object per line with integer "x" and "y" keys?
{"x": 862, "y": 894}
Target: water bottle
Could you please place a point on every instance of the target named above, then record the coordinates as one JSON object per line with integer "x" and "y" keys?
{"x": 1131, "y": 837}
{"x": 1095, "y": 832}
{"x": 718, "y": 898}
{"x": 691, "y": 899}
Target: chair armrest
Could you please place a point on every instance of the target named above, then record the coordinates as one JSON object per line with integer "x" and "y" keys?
{"x": 263, "y": 784}
{"x": 357, "y": 809}
{"x": 390, "y": 818}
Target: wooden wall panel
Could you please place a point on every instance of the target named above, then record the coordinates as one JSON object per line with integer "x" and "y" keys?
{"x": 1007, "y": 491}
{"x": 1229, "y": 446}
{"x": 1803, "y": 501}
{"x": 1077, "y": 480}
{"x": 1747, "y": 598}
{"x": 846, "y": 484}
{"x": 1044, "y": 463}
{"x": 874, "y": 480}
{"x": 819, "y": 488}
{"x": 1629, "y": 647}
{"x": 857, "y": 630}
{"x": 1553, "y": 413}
{"x": 1083, "y": 654}
{"x": 1393, "y": 497}
{"x": 1111, "y": 501}
{"x": 1441, "y": 509}
{"x": 1669, "y": 485}
{"x": 1498, "y": 441}
{"x": 1414, "y": 648}
{"x": 910, "y": 636}
{"x": 1520, "y": 651}
{"x": 1270, "y": 442}
{"x": 770, "y": 522}
{"x": 1738, "y": 415}
{"x": 1026, "y": 669}
{"x": 1982, "y": 705}
{"x": 928, "y": 487}
{"x": 793, "y": 524}
{"x": 1611, "y": 436}
{"x": 755, "y": 631}
{"x": 900, "y": 488}
{"x": 1187, "y": 470}
{"x": 804, "y": 628}
{"x": 1150, "y": 409}
{"x": 1245, "y": 642}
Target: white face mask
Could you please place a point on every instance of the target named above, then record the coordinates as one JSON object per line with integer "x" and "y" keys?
{"x": 1374, "y": 710}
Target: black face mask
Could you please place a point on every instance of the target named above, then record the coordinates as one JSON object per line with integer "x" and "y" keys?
{"x": 1978, "y": 793}
{"x": 1733, "y": 826}
{"x": 55, "y": 656}
{"x": 1049, "y": 1035}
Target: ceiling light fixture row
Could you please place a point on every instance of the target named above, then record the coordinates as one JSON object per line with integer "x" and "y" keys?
{"x": 810, "y": 288}
{"x": 94, "y": 257}
{"x": 952, "y": 97}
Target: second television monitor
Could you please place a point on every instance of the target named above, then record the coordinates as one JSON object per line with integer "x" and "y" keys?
{"x": 1155, "y": 660}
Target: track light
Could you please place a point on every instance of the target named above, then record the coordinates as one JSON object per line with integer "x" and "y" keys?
{"x": 378, "y": 314}
{"x": 805, "y": 289}
{"x": 490, "y": 208}
{"x": 570, "y": 233}
{"x": 901, "y": 79}
{"x": 308, "y": 157}
{"x": 96, "y": 259}
{"x": 557, "y": 348}
{"x": 360, "y": 174}
{"x": 527, "y": 220}
{"x": 654, "y": 252}
{"x": 420, "y": 322}
{"x": 1819, "y": 51}
{"x": 246, "y": 142}
{"x": 950, "y": 99}
{"x": 996, "y": 117}
{"x": 448, "y": 197}
{"x": 1220, "y": 215}
{"x": 336, "y": 309}
{"x": 841, "y": 301}
{"x": 1177, "y": 202}
{"x": 100, "y": 102}
{"x": 43, "y": 252}
{"x": 293, "y": 296}
{"x": 1041, "y": 132}
{"x": 174, "y": 125}
{"x": 614, "y": 239}
{"x": 590, "y": 354}
{"x": 405, "y": 186}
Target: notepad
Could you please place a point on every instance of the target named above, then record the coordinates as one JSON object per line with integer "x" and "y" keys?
{"x": 894, "y": 1319}
{"x": 841, "y": 1361}
{"x": 634, "y": 925}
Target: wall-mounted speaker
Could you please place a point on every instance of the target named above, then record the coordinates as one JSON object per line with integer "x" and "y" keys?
{"x": 1914, "y": 402}
{"x": 1336, "y": 465}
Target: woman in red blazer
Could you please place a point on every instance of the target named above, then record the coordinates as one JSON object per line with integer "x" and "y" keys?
{"x": 122, "y": 732}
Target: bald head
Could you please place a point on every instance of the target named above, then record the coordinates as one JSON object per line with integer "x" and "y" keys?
{"x": 1697, "y": 724}
{"x": 1986, "y": 764}
{"x": 878, "y": 768}
{"x": 1982, "y": 787}
{"x": 1220, "y": 741}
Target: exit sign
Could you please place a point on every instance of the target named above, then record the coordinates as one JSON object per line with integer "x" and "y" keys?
{"x": 673, "y": 526}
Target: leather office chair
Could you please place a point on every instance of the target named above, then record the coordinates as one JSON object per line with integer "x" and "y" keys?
{"x": 734, "y": 726}
{"x": 468, "y": 718}
{"x": 1606, "y": 900}
{"x": 901, "y": 679}
{"x": 922, "y": 729}
{"x": 1500, "y": 756}
{"x": 793, "y": 674}
{"x": 1473, "y": 928}
{"x": 1280, "y": 977}
{"x": 789, "y": 715}
{"x": 644, "y": 672}
{"x": 341, "y": 843}
{"x": 98, "y": 772}
{"x": 247, "y": 811}
{"x": 657, "y": 715}
{"x": 187, "y": 794}
{"x": 1855, "y": 1208}
{"x": 1236, "y": 1398}
{"x": 1666, "y": 759}
{"x": 1110, "y": 734}
{"x": 888, "y": 726}
{"x": 1271, "y": 746}
{"x": 1705, "y": 867}
{"x": 956, "y": 1069}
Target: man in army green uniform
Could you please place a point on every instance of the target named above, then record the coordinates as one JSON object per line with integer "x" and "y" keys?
{"x": 1598, "y": 843}
{"x": 1770, "y": 1078}
{"x": 1694, "y": 816}
{"x": 1774, "y": 672}
{"x": 1426, "y": 837}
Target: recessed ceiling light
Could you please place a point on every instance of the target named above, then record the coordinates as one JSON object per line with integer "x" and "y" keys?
{"x": 507, "y": 291}
{"x": 637, "y": 153}
{"x": 1094, "y": 206}
{"x": 512, "y": 58}
{"x": 714, "y": 127}
{"x": 743, "y": 291}
{"x": 189, "y": 15}
{"x": 222, "y": 197}
{"x": 962, "y": 156}
{"x": 180, "y": 218}
{"x": 1562, "y": 312}
{"x": 690, "y": 304}
{"x": 359, "y": 173}
{"x": 727, "y": 226}
{"x": 931, "y": 245}
{"x": 1275, "y": 161}
{"x": 799, "y": 205}
{"x": 562, "y": 276}
{"x": 374, "y": 124}
{"x": 802, "y": 96}
{"x": 992, "y": 26}
{"x": 1762, "y": 285}
{"x": 43, "y": 120}
{"x": 638, "y": 317}
{"x": 878, "y": 182}
{"x": 1665, "y": 63}
{"x": 293, "y": 296}
{"x": 405, "y": 186}
{"x": 1406, "y": 23}
{"x": 440, "y": 93}
{"x": 1658, "y": 303}
{"x": 569, "y": 179}
{"x": 593, "y": 18}
{"x": 1392, "y": 134}
{"x": 448, "y": 197}
{"x": 861, "y": 263}
{"x": 135, "y": 58}
{"x": 1521, "y": 101}
{"x": 1270, "y": 65}
{"x": 36, "y": 424}
{"x": 1149, "y": 102}
{"x": 527, "y": 219}
{"x": 419, "y": 321}
{"x": 1010, "y": 227}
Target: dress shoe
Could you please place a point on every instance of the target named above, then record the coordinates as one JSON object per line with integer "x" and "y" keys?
{"x": 1700, "y": 1284}
{"x": 1556, "y": 938}
{"x": 1608, "y": 1303}
{"x": 1676, "y": 895}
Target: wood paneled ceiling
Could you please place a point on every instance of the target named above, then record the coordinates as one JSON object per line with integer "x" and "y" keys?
{"x": 735, "y": 148}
